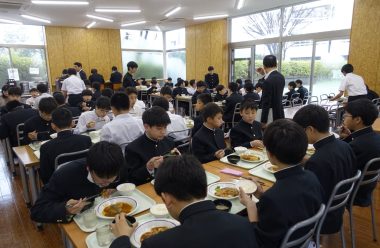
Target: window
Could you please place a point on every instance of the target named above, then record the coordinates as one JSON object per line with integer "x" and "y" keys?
{"x": 175, "y": 39}
{"x": 5, "y": 64}
{"x": 21, "y": 34}
{"x": 30, "y": 63}
{"x": 176, "y": 64}
{"x": 242, "y": 63}
{"x": 141, "y": 39}
{"x": 150, "y": 63}
{"x": 261, "y": 51}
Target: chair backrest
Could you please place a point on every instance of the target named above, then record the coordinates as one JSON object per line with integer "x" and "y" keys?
{"x": 20, "y": 133}
{"x": 297, "y": 102}
{"x": 185, "y": 132}
{"x": 295, "y": 96}
{"x": 236, "y": 112}
{"x": 73, "y": 155}
{"x": 332, "y": 94}
{"x": 307, "y": 237}
{"x": 324, "y": 97}
{"x": 286, "y": 103}
{"x": 75, "y": 121}
{"x": 313, "y": 100}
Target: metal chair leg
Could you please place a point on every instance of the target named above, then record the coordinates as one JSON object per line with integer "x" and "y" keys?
{"x": 352, "y": 228}
{"x": 374, "y": 230}
{"x": 342, "y": 236}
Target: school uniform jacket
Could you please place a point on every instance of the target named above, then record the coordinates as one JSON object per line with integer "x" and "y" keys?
{"x": 243, "y": 133}
{"x": 206, "y": 142}
{"x": 96, "y": 78}
{"x": 231, "y": 102}
{"x": 139, "y": 152}
{"x": 195, "y": 95}
{"x": 212, "y": 80}
{"x": 128, "y": 81}
{"x": 273, "y": 88}
{"x": 116, "y": 77}
{"x": 42, "y": 127}
{"x": 198, "y": 123}
{"x": 332, "y": 162}
{"x": 180, "y": 91}
{"x": 202, "y": 226}
{"x": 295, "y": 196}
{"x": 303, "y": 91}
{"x": 219, "y": 97}
{"x": 251, "y": 96}
{"x": 65, "y": 142}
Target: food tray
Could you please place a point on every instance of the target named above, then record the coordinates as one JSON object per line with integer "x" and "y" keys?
{"x": 262, "y": 173}
{"x": 144, "y": 203}
{"x": 242, "y": 164}
{"x": 212, "y": 178}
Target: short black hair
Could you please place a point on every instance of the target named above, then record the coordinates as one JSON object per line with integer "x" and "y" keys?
{"x": 33, "y": 90}
{"x": 363, "y": 108}
{"x": 192, "y": 82}
{"x": 270, "y": 61}
{"x": 86, "y": 93}
{"x": 156, "y": 116}
{"x": 14, "y": 91}
{"x": 105, "y": 159}
{"x": 239, "y": 81}
{"x": 131, "y": 90}
{"x": 248, "y": 87}
{"x": 94, "y": 71}
{"x": 59, "y": 98}
{"x": 47, "y": 105}
{"x": 219, "y": 88}
{"x": 210, "y": 111}
{"x": 210, "y": 68}
{"x": 170, "y": 79}
{"x": 233, "y": 87}
{"x": 87, "y": 82}
{"x": 79, "y": 64}
{"x": 183, "y": 177}
{"x": 131, "y": 65}
{"x": 292, "y": 84}
{"x": 108, "y": 92}
{"x": 286, "y": 140}
{"x": 247, "y": 81}
{"x": 313, "y": 115}
{"x": 103, "y": 103}
{"x": 62, "y": 118}
{"x": 11, "y": 105}
{"x": 96, "y": 86}
{"x": 161, "y": 102}
{"x": 204, "y": 98}
{"x": 299, "y": 81}
{"x": 201, "y": 84}
{"x": 120, "y": 101}
{"x": 248, "y": 104}
{"x": 71, "y": 71}
{"x": 114, "y": 68}
{"x": 64, "y": 71}
{"x": 347, "y": 68}
{"x": 166, "y": 90}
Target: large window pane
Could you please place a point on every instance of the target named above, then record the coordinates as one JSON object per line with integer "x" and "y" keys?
{"x": 256, "y": 26}
{"x": 150, "y": 63}
{"x": 30, "y": 63}
{"x": 242, "y": 63}
{"x": 176, "y": 64}
{"x": 175, "y": 39}
{"x": 296, "y": 61}
{"x": 261, "y": 51}
{"x": 141, "y": 39}
{"x": 330, "y": 57}
{"x": 318, "y": 16}
{"x": 21, "y": 34}
{"x": 5, "y": 64}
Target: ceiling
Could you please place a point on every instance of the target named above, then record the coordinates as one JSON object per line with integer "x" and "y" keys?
{"x": 152, "y": 11}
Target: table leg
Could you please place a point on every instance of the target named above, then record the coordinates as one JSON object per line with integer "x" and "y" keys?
{"x": 66, "y": 241}
{"x": 24, "y": 183}
{"x": 191, "y": 108}
{"x": 176, "y": 106}
{"x": 33, "y": 184}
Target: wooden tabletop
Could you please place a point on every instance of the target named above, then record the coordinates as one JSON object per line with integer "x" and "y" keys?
{"x": 78, "y": 237}
{"x": 26, "y": 156}
{"x": 376, "y": 125}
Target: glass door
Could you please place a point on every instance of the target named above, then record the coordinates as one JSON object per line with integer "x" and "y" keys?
{"x": 241, "y": 64}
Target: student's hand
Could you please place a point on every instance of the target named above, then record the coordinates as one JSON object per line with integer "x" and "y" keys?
{"x": 86, "y": 108}
{"x": 154, "y": 162}
{"x": 219, "y": 154}
{"x": 83, "y": 104}
{"x": 32, "y": 135}
{"x": 263, "y": 125}
{"x": 259, "y": 190}
{"x": 75, "y": 206}
{"x": 245, "y": 199}
{"x": 175, "y": 151}
{"x": 344, "y": 132}
{"x": 121, "y": 227}
{"x": 257, "y": 143}
{"x": 91, "y": 124}
{"x": 260, "y": 71}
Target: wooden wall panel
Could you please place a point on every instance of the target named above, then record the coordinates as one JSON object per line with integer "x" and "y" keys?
{"x": 114, "y": 45}
{"x": 190, "y": 52}
{"x": 54, "y": 49}
{"x": 365, "y": 45}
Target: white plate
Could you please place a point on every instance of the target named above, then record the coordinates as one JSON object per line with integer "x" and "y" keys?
{"x": 248, "y": 186}
{"x": 211, "y": 178}
{"x": 147, "y": 226}
{"x": 261, "y": 159}
{"x": 310, "y": 150}
{"x": 267, "y": 167}
{"x": 99, "y": 208}
{"x": 53, "y": 135}
{"x": 211, "y": 189}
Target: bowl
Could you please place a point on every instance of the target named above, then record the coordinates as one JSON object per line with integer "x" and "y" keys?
{"x": 223, "y": 205}
{"x": 233, "y": 159}
{"x": 240, "y": 149}
{"x": 126, "y": 188}
{"x": 159, "y": 211}
{"x": 125, "y": 199}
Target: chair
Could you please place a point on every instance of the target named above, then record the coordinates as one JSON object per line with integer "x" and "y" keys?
{"x": 8, "y": 148}
{"x": 186, "y": 133}
{"x": 73, "y": 155}
{"x": 75, "y": 121}
{"x": 313, "y": 100}
{"x": 286, "y": 103}
{"x": 236, "y": 112}
{"x": 305, "y": 239}
{"x": 324, "y": 97}
{"x": 332, "y": 95}
{"x": 368, "y": 176}
{"x": 20, "y": 133}
{"x": 297, "y": 102}
{"x": 306, "y": 98}
{"x": 338, "y": 200}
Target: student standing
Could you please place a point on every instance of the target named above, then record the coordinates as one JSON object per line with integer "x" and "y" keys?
{"x": 128, "y": 80}
{"x": 72, "y": 88}
{"x": 116, "y": 76}
{"x": 211, "y": 78}
{"x": 79, "y": 71}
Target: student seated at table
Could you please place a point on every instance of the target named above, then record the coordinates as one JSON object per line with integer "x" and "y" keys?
{"x": 247, "y": 132}
{"x": 201, "y": 89}
{"x": 97, "y": 93}
{"x": 208, "y": 143}
{"x": 167, "y": 92}
{"x": 60, "y": 99}
{"x": 33, "y": 96}
{"x": 180, "y": 89}
{"x": 231, "y": 101}
{"x": 190, "y": 86}
{"x": 137, "y": 106}
{"x": 249, "y": 92}
{"x": 154, "y": 86}
{"x": 64, "y": 196}
{"x": 202, "y": 101}
{"x": 295, "y": 196}
{"x": 108, "y": 92}
{"x": 302, "y": 90}
{"x": 291, "y": 88}
{"x": 65, "y": 142}
{"x": 332, "y": 162}
{"x": 145, "y": 154}
{"x": 357, "y": 130}
{"x": 38, "y": 128}
{"x": 86, "y": 104}
{"x": 259, "y": 88}
{"x": 95, "y": 119}
{"x": 182, "y": 184}
{"x": 221, "y": 93}
{"x": 14, "y": 94}
{"x": 177, "y": 123}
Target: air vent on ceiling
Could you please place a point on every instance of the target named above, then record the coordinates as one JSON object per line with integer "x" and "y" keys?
{"x": 10, "y": 5}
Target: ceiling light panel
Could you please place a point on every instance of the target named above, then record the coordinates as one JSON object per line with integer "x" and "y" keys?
{"x": 117, "y": 10}
{"x": 34, "y": 18}
{"x": 173, "y": 11}
{"x": 132, "y": 23}
{"x": 100, "y": 18}
{"x": 61, "y": 2}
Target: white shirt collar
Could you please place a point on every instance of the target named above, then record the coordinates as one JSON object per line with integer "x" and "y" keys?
{"x": 267, "y": 75}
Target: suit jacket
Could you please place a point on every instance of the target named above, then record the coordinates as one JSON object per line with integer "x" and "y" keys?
{"x": 332, "y": 162}
{"x": 366, "y": 145}
{"x": 139, "y": 152}
{"x": 231, "y": 102}
{"x": 202, "y": 226}
{"x": 303, "y": 91}
{"x": 243, "y": 133}
{"x": 273, "y": 88}
{"x": 82, "y": 75}
{"x": 65, "y": 142}
{"x": 42, "y": 127}
{"x": 212, "y": 80}
{"x": 96, "y": 78}
{"x": 116, "y": 77}
{"x": 128, "y": 80}
{"x": 295, "y": 196}
{"x": 206, "y": 142}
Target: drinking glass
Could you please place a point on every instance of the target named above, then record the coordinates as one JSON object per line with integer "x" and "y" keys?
{"x": 103, "y": 235}
{"x": 89, "y": 218}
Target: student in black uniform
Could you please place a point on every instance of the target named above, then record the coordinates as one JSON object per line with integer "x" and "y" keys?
{"x": 181, "y": 182}
{"x": 107, "y": 92}
{"x": 14, "y": 94}
{"x": 302, "y": 90}
{"x": 65, "y": 142}
{"x": 332, "y": 162}
{"x": 291, "y": 88}
{"x": 201, "y": 88}
{"x": 202, "y": 101}
{"x": 38, "y": 127}
{"x": 128, "y": 80}
{"x": 221, "y": 93}
{"x": 250, "y": 94}
{"x": 87, "y": 104}
{"x": 60, "y": 99}
{"x": 208, "y": 143}
{"x": 247, "y": 132}
{"x": 211, "y": 78}
{"x": 180, "y": 89}
{"x": 295, "y": 196}
{"x": 357, "y": 130}
{"x": 97, "y": 92}
{"x": 115, "y": 76}
{"x": 65, "y": 194}
{"x": 231, "y": 102}
{"x": 96, "y": 77}
{"x": 145, "y": 154}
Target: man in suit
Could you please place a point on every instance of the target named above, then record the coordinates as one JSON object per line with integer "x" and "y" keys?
{"x": 181, "y": 182}
{"x": 295, "y": 196}
{"x": 211, "y": 78}
{"x": 332, "y": 162}
{"x": 357, "y": 130}
{"x": 231, "y": 101}
{"x": 65, "y": 142}
{"x": 115, "y": 76}
{"x": 128, "y": 80}
{"x": 96, "y": 77}
{"x": 80, "y": 72}
{"x": 273, "y": 88}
